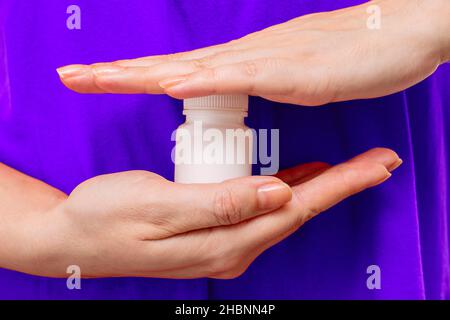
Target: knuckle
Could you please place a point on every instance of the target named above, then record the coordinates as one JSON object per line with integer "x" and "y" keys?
{"x": 309, "y": 210}
{"x": 251, "y": 68}
{"x": 148, "y": 181}
{"x": 142, "y": 178}
{"x": 226, "y": 207}
{"x": 251, "y": 72}
{"x": 212, "y": 74}
{"x": 349, "y": 172}
{"x": 101, "y": 82}
{"x": 204, "y": 62}
{"x": 258, "y": 71}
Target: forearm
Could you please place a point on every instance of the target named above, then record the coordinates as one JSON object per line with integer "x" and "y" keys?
{"x": 25, "y": 206}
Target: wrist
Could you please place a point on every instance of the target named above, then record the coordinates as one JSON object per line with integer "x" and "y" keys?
{"x": 52, "y": 257}
{"x": 35, "y": 243}
{"x": 438, "y": 15}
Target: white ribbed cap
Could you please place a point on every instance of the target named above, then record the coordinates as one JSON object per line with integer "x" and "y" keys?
{"x": 218, "y": 102}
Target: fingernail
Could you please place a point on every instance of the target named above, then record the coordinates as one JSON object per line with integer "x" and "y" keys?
{"x": 167, "y": 83}
{"x": 273, "y": 195}
{"x": 395, "y": 165}
{"x": 72, "y": 70}
{"x": 106, "y": 70}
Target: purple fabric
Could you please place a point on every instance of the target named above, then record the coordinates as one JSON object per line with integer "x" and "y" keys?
{"x": 63, "y": 138}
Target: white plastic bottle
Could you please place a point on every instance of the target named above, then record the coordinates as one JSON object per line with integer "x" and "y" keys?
{"x": 213, "y": 144}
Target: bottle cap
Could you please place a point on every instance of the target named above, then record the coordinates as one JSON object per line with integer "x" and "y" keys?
{"x": 218, "y": 102}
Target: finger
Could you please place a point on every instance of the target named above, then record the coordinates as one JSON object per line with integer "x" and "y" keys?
{"x": 109, "y": 78}
{"x": 220, "y": 216}
{"x": 186, "y": 207}
{"x": 192, "y": 242}
{"x": 118, "y": 79}
{"x": 311, "y": 198}
{"x": 144, "y": 75}
{"x": 381, "y": 155}
{"x": 239, "y": 44}
{"x": 125, "y": 79}
{"x": 248, "y": 77}
{"x": 293, "y": 176}
{"x": 179, "y": 56}
{"x": 260, "y": 233}
{"x": 265, "y": 77}
{"x": 81, "y": 78}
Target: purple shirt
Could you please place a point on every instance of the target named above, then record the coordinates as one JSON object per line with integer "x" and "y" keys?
{"x": 64, "y": 138}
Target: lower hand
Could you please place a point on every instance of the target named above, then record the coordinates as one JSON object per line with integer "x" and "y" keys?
{"x": 138, "y": 224}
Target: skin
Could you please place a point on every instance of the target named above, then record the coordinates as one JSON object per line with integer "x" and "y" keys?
{"x": 139, "y": 224}
{"x": 311, "y": 60}
{"x": 136, "y": 223}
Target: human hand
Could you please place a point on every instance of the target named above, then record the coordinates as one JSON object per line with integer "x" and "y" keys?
{"x": 311, "y": 60}
{"x": 138, "y": 224}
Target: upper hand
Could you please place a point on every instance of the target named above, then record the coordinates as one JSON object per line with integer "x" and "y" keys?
{"x": 311, "y": 60}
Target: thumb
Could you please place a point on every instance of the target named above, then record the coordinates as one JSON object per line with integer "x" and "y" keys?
{"x": 198, "y": 206}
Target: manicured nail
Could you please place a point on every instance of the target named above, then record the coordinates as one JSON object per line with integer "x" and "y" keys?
{"x": 72, "y": 70}
{"x": 106, "y": 70}
{"x": 273, "y": 195}
{"x": 171, "y": 82}
{"x": 395, "y": 165}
